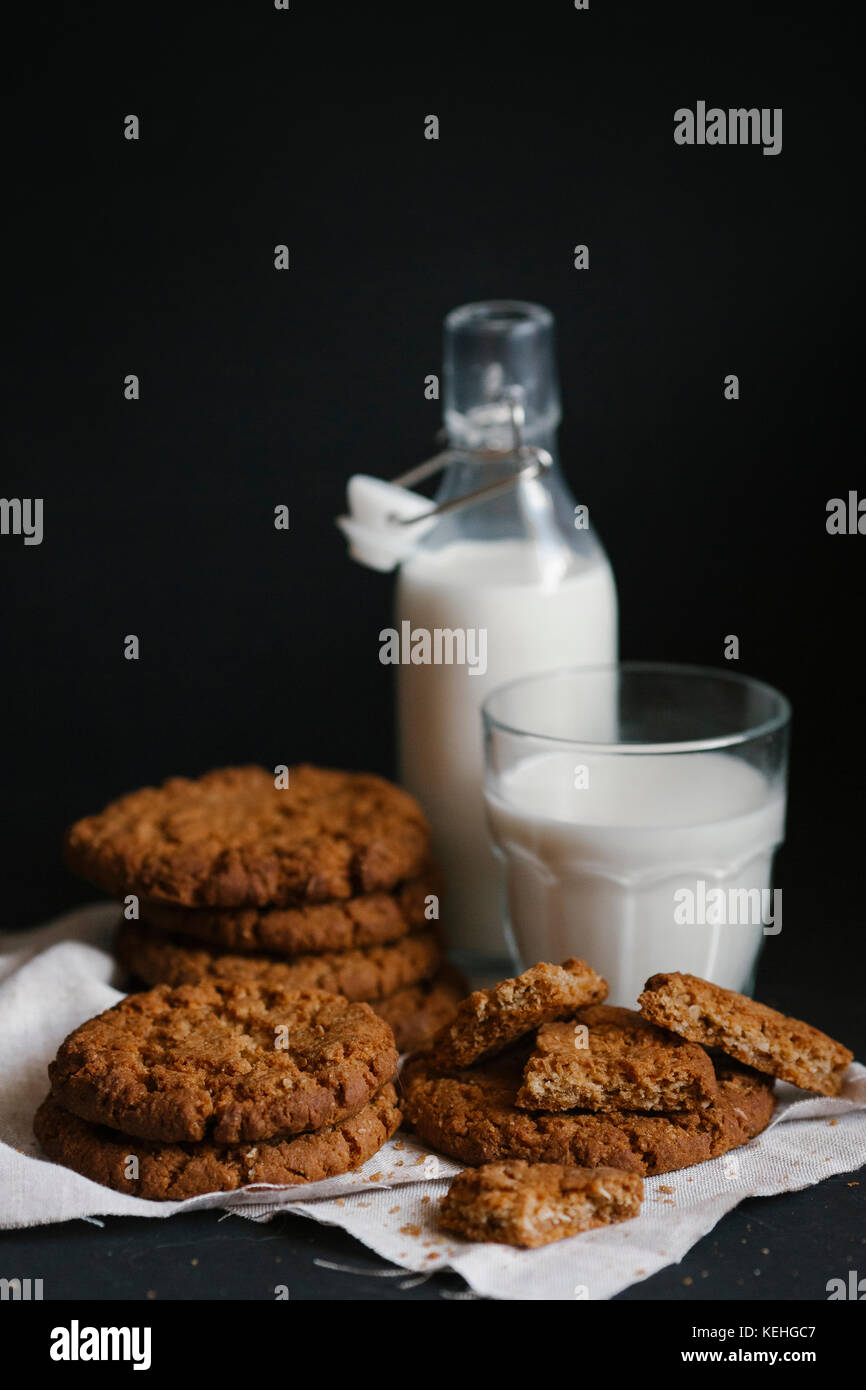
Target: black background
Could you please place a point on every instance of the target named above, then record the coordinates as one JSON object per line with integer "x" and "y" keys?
{"x": 259, "y": 387}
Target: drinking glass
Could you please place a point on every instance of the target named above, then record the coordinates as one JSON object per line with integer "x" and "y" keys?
{"x": 636, "y": 810}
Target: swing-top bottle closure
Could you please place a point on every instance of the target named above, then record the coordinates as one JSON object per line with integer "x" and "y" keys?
{"x": 386, "y": 518}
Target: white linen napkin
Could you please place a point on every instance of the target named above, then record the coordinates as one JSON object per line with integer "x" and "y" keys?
{"x": 55, "y": 977}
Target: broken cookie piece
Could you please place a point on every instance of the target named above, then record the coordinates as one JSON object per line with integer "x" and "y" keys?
{"x": 612, "y": 1059}
{"x": 490, "y": 1019}
{"x": 533, "y": 1204}
{"x": 751, "y": 1032}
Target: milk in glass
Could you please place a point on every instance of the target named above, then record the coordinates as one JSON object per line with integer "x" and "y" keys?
{"x": 640, "y": 864}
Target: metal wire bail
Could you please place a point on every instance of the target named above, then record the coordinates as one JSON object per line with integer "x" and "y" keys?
{"x": 533, "y": 462}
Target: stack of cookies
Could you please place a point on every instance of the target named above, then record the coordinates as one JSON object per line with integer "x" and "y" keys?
{"x": 210, "y": 1087}
{"x": 539, "y": 1071}
{"x": 313, "y": 879}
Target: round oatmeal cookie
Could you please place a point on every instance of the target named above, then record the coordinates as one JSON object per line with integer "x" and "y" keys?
{"x": 232, "y": 839}
{"x": 472, "y": 1117}
{"x": 224, "y": 1061}
{"x": 417, "y": 1012}
{"x": 371, "y": 972}
{"x": 172, "y": 1172}
{"x": 374, "y": 919}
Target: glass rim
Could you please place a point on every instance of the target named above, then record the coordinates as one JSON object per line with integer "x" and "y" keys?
{"x": 519, "y": 311}
{"x": 773, "y": 724}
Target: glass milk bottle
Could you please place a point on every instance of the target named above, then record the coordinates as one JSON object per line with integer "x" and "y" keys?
{"x": 514, "y": 582}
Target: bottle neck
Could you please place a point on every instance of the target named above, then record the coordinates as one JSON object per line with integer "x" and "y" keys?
{"x": 501, "y": 393}
{"x": 499, "y": 372}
